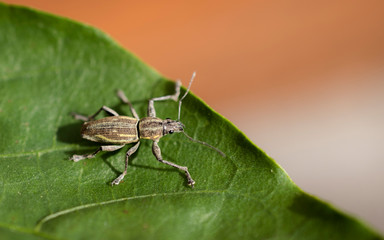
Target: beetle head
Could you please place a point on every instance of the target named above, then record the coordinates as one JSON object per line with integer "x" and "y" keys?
{"x": 170, "y": 126}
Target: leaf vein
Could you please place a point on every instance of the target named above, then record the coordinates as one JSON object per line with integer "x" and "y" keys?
{"x": 96, "y": 204}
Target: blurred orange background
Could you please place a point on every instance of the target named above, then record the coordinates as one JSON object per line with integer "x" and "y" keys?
{"x": 302, "y": 79}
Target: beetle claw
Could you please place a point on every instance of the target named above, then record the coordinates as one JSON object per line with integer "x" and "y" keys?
{"x": 77, "y": 158}
{"x": 191, "y": 183}
{"x": 118, "y": 179}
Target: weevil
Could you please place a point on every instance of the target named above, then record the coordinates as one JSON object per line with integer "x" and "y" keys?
{"x": 116, "y": 131}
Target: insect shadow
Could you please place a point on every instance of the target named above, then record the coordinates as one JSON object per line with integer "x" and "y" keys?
{"x": 70, "y": 133}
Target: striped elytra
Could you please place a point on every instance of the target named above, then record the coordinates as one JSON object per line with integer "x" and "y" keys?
{"x": 113, "y": 130}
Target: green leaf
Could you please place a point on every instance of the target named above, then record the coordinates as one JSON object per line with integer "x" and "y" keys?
{"x": 49, "y": 67}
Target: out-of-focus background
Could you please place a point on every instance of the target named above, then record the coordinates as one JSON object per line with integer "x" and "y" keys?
{"x": 304, "y": 80}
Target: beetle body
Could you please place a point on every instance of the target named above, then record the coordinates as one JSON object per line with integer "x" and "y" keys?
{"x": 124, "y": 130}
{"x": 117, "y": 131}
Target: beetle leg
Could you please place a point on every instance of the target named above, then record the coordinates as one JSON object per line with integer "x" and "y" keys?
{"x": 125, "y": 100}
{"x": 92, "y": 117}
{"x": 131, "y": 151}
{"x": 157, "y": 152}
{"x": 174, "y": 97}
{"x": 109, "y": 148}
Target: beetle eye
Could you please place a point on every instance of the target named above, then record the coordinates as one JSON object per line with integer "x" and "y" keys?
{"x": 170, "y": 131}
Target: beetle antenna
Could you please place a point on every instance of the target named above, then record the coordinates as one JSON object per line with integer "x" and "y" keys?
{"x": 185, "y": 94}
{"x": 178, "y": 119}
{"x": 206, "y": 144}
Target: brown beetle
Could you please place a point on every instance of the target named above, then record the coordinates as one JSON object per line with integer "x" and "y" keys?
{"x": 117, "y": 131}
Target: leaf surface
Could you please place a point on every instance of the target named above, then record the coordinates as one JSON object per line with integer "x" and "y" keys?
{"x": 49, "y": 67}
